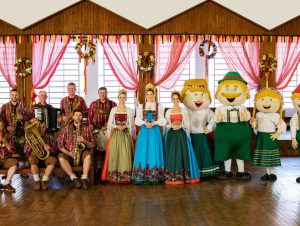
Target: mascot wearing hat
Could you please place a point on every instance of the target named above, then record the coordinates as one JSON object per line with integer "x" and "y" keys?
{"x": 196, "y": 98}
{"x": 232, "y": 133}
{"x": 295, "y": 122}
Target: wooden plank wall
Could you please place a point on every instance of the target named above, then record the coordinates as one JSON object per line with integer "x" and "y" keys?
{"x": 86, "y": 17}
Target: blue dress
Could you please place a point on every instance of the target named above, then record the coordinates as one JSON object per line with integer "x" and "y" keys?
{"x": 148, "y": 167}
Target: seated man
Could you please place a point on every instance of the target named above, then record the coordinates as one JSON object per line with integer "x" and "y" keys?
{"x": 6, "y": 162}
{"x": 46, "y": 151}
{"x": 73, "y": 138}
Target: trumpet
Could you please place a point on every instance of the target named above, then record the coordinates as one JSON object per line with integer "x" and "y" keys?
{"x": 35, "y": 141}
{"x": 79, "y": 147}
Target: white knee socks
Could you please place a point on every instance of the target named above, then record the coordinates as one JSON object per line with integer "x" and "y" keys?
{"x": 240, "y": 165}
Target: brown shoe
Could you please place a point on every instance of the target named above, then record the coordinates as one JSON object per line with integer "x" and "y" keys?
{"x": 37, "y": 185}
{"x": 77, "y": 183}
{"x": 84, "y": 183}
{"x": 9, "y": 188}
{"x": 44, "y": 185}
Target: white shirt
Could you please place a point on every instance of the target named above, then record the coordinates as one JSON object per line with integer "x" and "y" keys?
{"x": 185, "y": 118}
{"x": 199, "y": 119}
{"x": 139, "y": 119}
{"x": 294, "y": 125}
{"x": 269, "y": 122}
{"x": 130, "y": 120}
{"x": 233, "y": 114}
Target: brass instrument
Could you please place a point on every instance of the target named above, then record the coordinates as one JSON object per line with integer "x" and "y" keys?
{"x": 70, "y": 115}
{"x": 18, "y": 126}
{"x": 79, "y": 147}
{"x": 35, "y": 141}
{"x": 2, "y": 143}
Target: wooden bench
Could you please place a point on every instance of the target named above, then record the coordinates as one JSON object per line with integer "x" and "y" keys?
{"x": 58, "y": 169}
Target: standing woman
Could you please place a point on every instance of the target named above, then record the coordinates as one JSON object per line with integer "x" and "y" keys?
{"x": 180, "y": 161}
{"x": 119, "y": 153}
{"x": 149, "y": 160}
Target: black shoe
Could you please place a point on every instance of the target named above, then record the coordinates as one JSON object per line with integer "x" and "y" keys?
{"x": 225, "y": 175}
{"x": 77, "y": 183}
{"x": 298, "y": 180}
{"x": 272, "y": 177}
{"x": 243, "y": 176}
{"x": 84, "y": 183}
{"x": 9, "y": 188}
{"x": 265, "y": 177}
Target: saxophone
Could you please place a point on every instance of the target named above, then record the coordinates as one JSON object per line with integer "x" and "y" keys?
{"x": 79, "y": 147}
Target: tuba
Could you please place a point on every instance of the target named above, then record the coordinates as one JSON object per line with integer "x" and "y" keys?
{"x": 79, "y": 147}
{"x": 35, "y": 141}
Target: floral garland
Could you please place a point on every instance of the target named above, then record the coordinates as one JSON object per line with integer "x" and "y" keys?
{"x": 146, "y": 62}
{"x": 23, "y": 67}
{"x": 210, "y": 44}
{"x": 86, "y": 56}
{"x": 267, "y": 63}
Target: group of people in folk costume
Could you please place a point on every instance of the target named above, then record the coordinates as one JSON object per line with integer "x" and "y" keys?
{"x": 170, "y": 147}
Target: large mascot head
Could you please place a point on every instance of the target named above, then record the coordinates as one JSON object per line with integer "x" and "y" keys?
{"x": 195, "y": 95}
{"x": 232, "y": 89}
{"x": 268, "y": 100}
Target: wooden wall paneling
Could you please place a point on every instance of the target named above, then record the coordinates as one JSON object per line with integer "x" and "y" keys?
{"x": 291, "y": 27}
{"x": 8, "y": 29}
{"x": 209, "y": 18}
{"x": 85, "y": 17}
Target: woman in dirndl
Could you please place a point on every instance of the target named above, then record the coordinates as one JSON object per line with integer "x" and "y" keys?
{"x": 180, "y": 161}
{"x": 119, "y": 153}
{"x": 149, "y": 159}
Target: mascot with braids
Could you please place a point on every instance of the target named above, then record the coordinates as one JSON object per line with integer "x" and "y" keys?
{"x": 196, "y": 98}
{"x": 295, "y": 122}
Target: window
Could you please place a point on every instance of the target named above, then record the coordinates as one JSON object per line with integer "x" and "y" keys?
{"x": 217, "y": 69}
{"x": 287, "y": 92}
{"x": 69, "y": 70}
{"x": 4, "y": 90}
{"x": 189, "y": 72}
{"x": 107, "y": 78}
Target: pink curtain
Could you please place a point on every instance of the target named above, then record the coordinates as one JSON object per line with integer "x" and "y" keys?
{"x": 288, "y": 56}
{"x": 171, "y": 58}
{"x": 122, "y": 58}
{"x": 243, "y": 57}
{"x": 7, "y": 61}
{"x": 46, "y": 55}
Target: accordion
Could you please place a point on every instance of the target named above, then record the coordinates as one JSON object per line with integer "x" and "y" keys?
{"x": 49, "y": 116}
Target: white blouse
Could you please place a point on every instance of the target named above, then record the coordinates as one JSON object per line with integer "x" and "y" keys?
{"x": 130, "y": 120}
{"x": 139, "y": 119}
{"x": 294, "y": 125}
{"x": 185, "y": 118}
{"x": 269, "y": 122}
{"x": 201, "y": 119}
{"x": 233, "y": 114}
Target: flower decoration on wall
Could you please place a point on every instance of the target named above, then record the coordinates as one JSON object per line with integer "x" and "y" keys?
{"x": 210, "y": 45}
{"x": 23, "y": 67}
{"x": 146, "y": 62}
{"x": 90, "y": 54}
{"x": 267, "y": 63}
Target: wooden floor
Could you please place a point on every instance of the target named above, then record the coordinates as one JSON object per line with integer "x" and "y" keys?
{"x": 211, "y": 202}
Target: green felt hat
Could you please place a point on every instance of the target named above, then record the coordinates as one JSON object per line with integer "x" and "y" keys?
{"x": 232, "y": 75}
